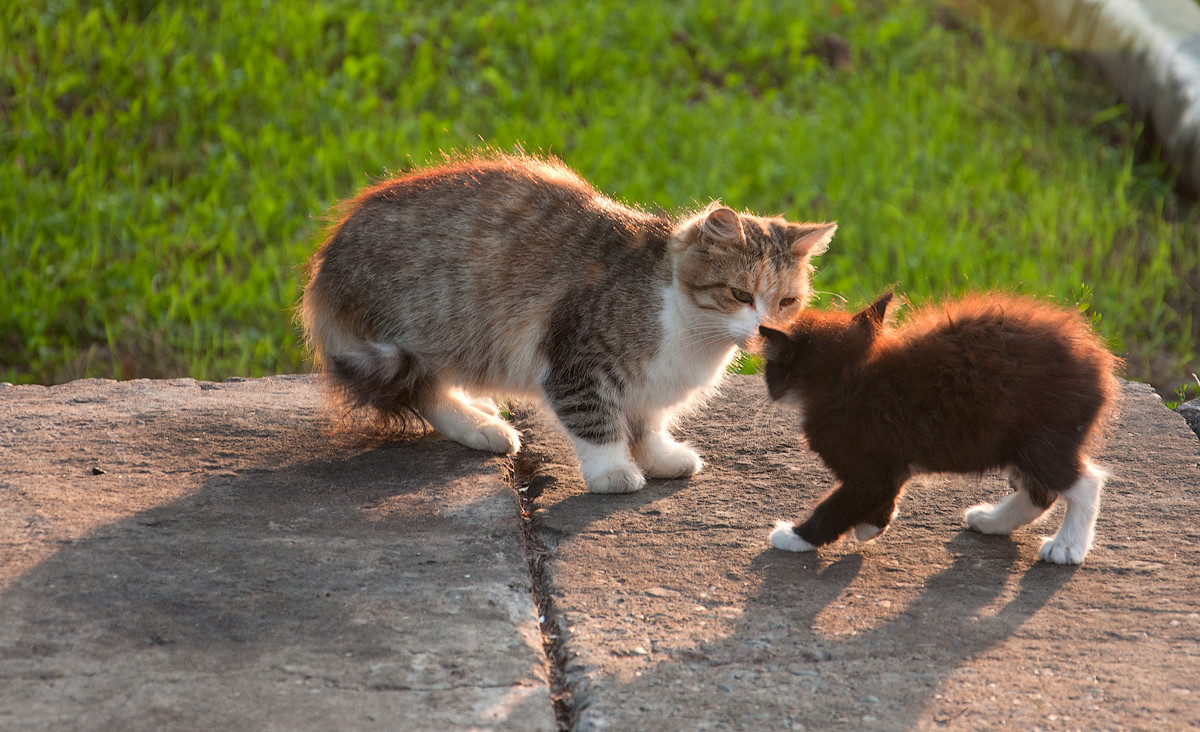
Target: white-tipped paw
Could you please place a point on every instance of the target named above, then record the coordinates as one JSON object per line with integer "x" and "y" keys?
{"x": 616, "y": 479}
{"x": 784, "y": 536}
{"x": 866, "y": 532}
{"x": 1058, "y": 551}
{"x": 493, "y": 436}
{"x": 662, "y": 458}
{"x": 982, "y": 518}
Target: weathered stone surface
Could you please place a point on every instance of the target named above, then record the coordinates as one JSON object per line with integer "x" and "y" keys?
{"x": 176, "y": 554}
{"x": 679, "y": 615}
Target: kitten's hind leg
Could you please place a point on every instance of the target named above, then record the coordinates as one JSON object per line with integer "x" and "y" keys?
{"x": 454, "y": 415}
{"x": 1074, "y": 538}
{"x": 1007, "y": 515}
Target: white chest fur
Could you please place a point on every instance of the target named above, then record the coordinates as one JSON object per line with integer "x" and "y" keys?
{"x": 691, "y": 357}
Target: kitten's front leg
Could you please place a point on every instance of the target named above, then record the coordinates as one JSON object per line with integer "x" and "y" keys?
{"x": 607, "y": 468}
{"x": 595, "y": 425}
{"x": 662, "y": 457}
{"x": 829, "y": 520}
{"x": 866, "y": 504}
{"x": 784, "y": 536}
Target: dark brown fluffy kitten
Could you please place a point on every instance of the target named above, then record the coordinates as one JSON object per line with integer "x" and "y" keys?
{"x": 984, "y": 382}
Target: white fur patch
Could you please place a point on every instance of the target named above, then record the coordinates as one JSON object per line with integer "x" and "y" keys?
{"x": 1074, "y": 538}
{"x": 686, "y": 368}
{"x": 743, "y": 325}
{"x": 866, "y": 532}
{"x": 784, "y": 536}
{"x": 1005, "y": 516}
{"x": 692, "y": 355}
{"x": 607, "y": 468}
{"x": 661, "y": 457}
{"x": 453, "y": 416}
{"x": 485, "y": 404}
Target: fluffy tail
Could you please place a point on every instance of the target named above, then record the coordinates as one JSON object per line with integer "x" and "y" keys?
{"x": 382, "y": 377}
{"x": 363, "y": 373}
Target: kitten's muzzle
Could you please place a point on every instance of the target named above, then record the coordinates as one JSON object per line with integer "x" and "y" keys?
{"x": 775, "y": 390}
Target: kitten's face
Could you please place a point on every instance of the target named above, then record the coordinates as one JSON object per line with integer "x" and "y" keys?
{"x": 794, "y": 357}
{"x": 741, "y": 271}
{"x": 819, "y": 346}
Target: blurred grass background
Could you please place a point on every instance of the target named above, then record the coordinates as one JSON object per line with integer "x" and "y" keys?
{"x": 167, "y": 168}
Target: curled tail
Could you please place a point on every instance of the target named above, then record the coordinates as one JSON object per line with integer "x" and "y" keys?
{"x": 380, "y": 376}
{"x": 363, "y": 373}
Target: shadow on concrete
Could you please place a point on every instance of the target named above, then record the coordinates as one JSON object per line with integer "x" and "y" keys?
{"x": 811, "y": 648}
{"x": 328, "y": 581}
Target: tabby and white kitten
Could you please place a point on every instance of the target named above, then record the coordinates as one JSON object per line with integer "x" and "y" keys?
{"x": 508, "y": 275}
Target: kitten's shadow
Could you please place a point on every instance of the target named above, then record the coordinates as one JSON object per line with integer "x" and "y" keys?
{"x": 956, "y": 615}
{"x": 807, "y": 571}
{"x": 807, "y": 583}
{"x": 970, "y": 588}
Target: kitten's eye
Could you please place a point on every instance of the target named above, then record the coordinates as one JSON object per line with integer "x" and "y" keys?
{"x": 741, "y": 295}
{"x": 787, "y": 302}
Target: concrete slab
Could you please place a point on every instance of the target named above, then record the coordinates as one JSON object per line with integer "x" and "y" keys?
{"x": 676, "y": 613}
{"x": 184, "y": 555}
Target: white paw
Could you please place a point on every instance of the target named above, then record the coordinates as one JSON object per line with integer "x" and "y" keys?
{"x": 1006, "y": 515}
{"x": 493, "y": 436}
{"x": 664, "y": 458}
{"x": 487, "y": 405}
{"x": 784, "y": 536}
{"x": 1058, "y": 551}
{"x": 607, "y": 468}
{"x": 982, "y": 518}
{"x": 866, "y": 532}
{"x": 616, "y": 479}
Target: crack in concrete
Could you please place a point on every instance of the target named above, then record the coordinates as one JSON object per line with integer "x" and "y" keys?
{"x": 522, "y": 472}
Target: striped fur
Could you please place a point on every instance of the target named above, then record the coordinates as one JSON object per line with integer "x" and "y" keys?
{"x": 511, "y": 276}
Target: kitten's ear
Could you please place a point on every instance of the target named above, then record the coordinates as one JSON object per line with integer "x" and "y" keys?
{"x": 810, "y": 239}
{"x": 876, "y": 312}
{"x": 722, "y": 225}
{"x": 778, "y": 342}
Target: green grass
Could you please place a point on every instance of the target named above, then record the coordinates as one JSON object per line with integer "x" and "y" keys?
{"x": 167, "y": 168}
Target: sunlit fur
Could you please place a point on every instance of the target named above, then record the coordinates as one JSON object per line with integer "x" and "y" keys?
{"x": 502, "y": 275}
{"x": 985, "y": 382}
